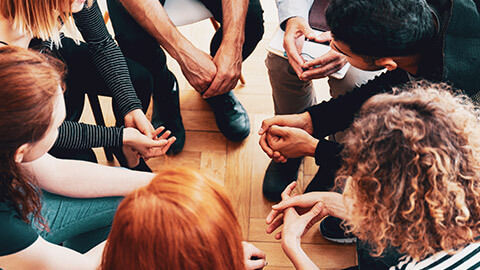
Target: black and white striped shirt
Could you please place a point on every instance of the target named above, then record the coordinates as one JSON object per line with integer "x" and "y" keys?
{"x": 467, "y": 258}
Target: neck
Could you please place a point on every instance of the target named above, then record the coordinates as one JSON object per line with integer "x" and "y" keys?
{"x": 409, "y": 63}
{"x": 12, "y": 36}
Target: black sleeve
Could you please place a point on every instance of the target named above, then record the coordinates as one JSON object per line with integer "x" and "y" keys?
{"x": 327, "y": 154}
{"x": 73, "y": 135}
{"x": 337, "y": 114}
{"x": 16, "y": 235}
{"x": 108, "y": 57}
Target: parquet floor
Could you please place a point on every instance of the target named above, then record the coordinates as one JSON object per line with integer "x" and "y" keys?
{"x": 241, "y": 166}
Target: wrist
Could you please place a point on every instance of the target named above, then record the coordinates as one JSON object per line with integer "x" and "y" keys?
{"x": 311, "y": 147}
{"x": 128, "y": 135}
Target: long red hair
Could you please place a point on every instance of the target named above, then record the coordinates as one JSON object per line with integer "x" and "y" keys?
{"x": 181, "y": 220}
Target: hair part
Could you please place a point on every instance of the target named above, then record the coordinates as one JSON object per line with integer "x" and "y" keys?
{"x": 412, "y": 169}
{"x": 29, "y": 83}
{"x": 380, "y": 28}
{"x": 181, "y": 220}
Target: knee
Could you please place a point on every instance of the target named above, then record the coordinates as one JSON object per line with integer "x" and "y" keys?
{"x": 143, "y": 83}
{"x": 254, "y": 28}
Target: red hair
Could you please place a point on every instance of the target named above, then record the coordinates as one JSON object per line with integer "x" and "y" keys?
{"x": 181, "y": 220}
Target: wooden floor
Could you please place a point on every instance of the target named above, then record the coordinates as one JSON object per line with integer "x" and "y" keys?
{"x": 241, "y": 166}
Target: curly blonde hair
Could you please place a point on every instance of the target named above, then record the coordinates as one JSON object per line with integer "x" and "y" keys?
{"x": 412, "y": 171}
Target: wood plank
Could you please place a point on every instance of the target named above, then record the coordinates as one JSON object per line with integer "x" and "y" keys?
{"x": 200, "y": 141}
{"x": 190, "y": 159}
{"x": 199, "y": 120}
{"x": 214, "y": 164}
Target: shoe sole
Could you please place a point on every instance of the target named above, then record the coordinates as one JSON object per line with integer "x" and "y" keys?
{"x": 342, "y": 240}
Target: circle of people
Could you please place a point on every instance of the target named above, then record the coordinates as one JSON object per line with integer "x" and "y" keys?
{"x": 399, "y": 173}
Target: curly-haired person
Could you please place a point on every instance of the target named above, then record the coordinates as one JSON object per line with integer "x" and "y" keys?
{"x": 411, "y": 178}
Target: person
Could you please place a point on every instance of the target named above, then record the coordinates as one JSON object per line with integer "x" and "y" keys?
{"x": 411, "y": 178}
{"x": 291, "y": 78}
{"x": 45, "y": 201}
{"x": 96, "y": 66}
{"x": 141, "y": 26}
{"x": 181, "y": 220}
{"x": 367, "y": 33}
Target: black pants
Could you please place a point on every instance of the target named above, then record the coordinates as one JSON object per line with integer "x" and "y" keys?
{"x": 81, "y": 78}
{"x": 138, "y": 45}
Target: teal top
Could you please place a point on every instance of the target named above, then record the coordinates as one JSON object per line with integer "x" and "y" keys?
{"x": 15, "y": 234}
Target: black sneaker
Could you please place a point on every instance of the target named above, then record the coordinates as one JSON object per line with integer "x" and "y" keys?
{"x": 278, "y": 176}
{"x": 332, "y": 230}
{"x": 166, "y": 112}
{"x": 230, "y": 116}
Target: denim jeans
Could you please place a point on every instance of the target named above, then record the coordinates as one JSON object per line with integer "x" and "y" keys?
{"x": 80, "y": 224}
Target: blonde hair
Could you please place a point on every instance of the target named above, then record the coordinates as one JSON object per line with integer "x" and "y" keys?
{"x": 40, "y": 18}
{"x": 412, "y": 170}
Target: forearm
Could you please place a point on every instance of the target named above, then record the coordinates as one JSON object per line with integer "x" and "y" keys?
{"x": 95, "y": 254}
{"x": 297, "y": 256}
{"x": 74, "y": 135}
{"x": 151, "y": 15}
{"x": 80, "y": 179}
{"x": 234, "y": 14}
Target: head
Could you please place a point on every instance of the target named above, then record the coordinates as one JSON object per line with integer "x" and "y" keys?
{"x": 412, "y": 171}
{"x": 40, "y": 18}
{"x": 372, "y": 34}
{"x": 181, "y": 220}
{"x": 31, "y": 109}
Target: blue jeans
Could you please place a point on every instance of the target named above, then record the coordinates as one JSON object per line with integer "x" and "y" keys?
{"x": 79, "y": 224}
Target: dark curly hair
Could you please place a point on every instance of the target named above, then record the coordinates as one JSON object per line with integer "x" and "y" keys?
{"x": 412, "y": 171}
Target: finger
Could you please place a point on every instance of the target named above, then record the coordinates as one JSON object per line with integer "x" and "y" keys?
{"x": 256, "y": 264}
{"x": 165, "y": 135}
{"x": 331, "y": 57}
{"x": 278, "y": 236}
{"x": 157, "y": 132}
{"x": 324, "y": 37}
{"x": 271, "y": 216}
{"x": 266, "y": 123}
{"x": 213, "y": 88}
{"x": 264, "y": 145}
{"x": 280, "y": 159}
{"x": 256, "y": 252}
{"x": 286, "y": 194}
{"x": 321, "y": 72}
{"x": 278, "y": 131}
{"x": 291, "y": 202}
{"x": 275, "y": 224}
{"x": 293, "y": 50}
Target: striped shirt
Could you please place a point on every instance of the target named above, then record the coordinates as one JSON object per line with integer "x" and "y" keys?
{"x": 112, "y": 67}
{"x": 467, "y": 258}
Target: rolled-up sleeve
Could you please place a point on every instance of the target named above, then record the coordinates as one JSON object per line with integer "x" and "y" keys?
{"x": 292, "y": 8}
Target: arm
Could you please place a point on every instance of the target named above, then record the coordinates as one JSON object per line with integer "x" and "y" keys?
{"x": 196, "y": 65}
{"x": 228, "y": 58}
{"x": 43, "y": 255}
{"x": 292, "y": 8}
{"x": 80, "y": 179}
{"x": 111, "y": 66}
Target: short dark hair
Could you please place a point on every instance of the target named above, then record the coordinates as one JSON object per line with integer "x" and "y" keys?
{"x": 382, "y": 28}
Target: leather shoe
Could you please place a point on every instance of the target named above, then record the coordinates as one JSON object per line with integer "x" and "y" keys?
{"x": 278, "y": 176}
{"x": 230, "y": 116}
{"x": 166, "y": 112}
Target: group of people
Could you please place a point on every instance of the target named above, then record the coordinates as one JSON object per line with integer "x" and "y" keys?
{"x": 400, "y": 173}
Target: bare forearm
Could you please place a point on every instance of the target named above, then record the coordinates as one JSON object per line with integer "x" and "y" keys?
{"x": 151, "y": 15}
{"x": 298, "y": 257}
{"x": 82, "y": 179}
{"x": 234, "y": 14}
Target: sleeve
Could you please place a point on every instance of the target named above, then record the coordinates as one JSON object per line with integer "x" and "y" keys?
{"x": 108, "y": 57}
{"x": 16, "y": 235}
{"x": 337, "y": 114}
{"x": 327, "y": 154}
{"x": 292, "y": 8}
{"x": 73, "y": 135}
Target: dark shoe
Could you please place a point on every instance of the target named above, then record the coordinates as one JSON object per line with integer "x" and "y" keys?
{"x": 230, "y": 116}
{"x": 332, "y": 230}
{"x": 166, "y": 112}
{"x": 142, "y": 166}
{"x": 278, "y": 176}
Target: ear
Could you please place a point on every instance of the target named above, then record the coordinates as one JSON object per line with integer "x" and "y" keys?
{"x": 20, "y": 153}
{"x": 387, "y": 62}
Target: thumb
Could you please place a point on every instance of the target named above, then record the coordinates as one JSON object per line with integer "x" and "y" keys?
{"x": 324, "y": 37}
{"x": 157, "y": 143}
{"x": 256, "y": 264}
{"x": 314, "y": 212}
{"x": 278, "y": 131}
{"x": 308, "y": 31}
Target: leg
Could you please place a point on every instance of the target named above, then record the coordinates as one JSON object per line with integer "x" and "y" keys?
{"x": 139, "y": 46}
{"x": 79, "y": 224}
{"x": 290, "y": 96}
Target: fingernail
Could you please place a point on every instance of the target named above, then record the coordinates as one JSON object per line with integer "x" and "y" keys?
{"x": 260, "y": 131}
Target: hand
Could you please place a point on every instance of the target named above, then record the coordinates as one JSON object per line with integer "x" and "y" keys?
{"x": 254, "y": 257}
{"x": 148, "y": 147}
{"x": 324, "y": 65}
{"x": 198, "y": 68}
{"x": 229, "y": 67}
{"x": 303, "y": 121}
{"x": 291, "y": 142}
{"x": 296, "y": 30}
{"x": 137, "y": 119}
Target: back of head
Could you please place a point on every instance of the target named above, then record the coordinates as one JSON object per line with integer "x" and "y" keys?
{"x": 382, "y": 28}
{"x": 412, "y": 160}
{"x": 28, "y": 85}
{"x": 181, "y": 220}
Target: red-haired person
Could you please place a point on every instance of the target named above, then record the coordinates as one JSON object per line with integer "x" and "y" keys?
{"x": 95, "y": 66}
{"x": 411, "y": 173}
{"x": 46, "y": 201}
{"x": 181, "y": 220}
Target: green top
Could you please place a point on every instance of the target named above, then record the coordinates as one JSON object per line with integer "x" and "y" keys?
{"x": 15, "y": 234}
